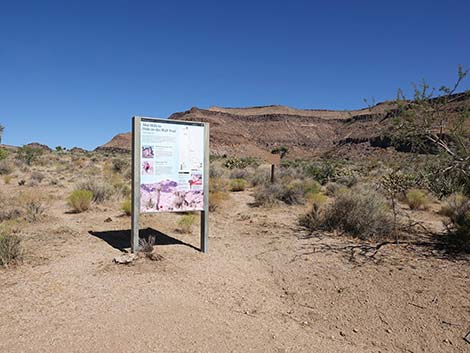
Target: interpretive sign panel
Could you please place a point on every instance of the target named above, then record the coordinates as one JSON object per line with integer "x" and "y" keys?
{"x": 170, "y": 169}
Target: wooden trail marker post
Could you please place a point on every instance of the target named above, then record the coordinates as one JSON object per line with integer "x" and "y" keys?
{"x": 170, "y": 171}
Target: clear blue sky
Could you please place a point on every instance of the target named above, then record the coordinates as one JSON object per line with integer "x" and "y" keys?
{"x": 72, "y": 73}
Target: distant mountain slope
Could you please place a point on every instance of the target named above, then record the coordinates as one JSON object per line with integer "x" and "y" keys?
{"x": 255, "y": 131}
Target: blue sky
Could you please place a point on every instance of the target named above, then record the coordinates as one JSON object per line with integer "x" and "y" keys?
{"x": 72, "y": 73}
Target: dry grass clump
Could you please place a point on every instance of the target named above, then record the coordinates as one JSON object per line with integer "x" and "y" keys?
{"x": 457, "y": 208}
{"x": 7, "y": 179}
{"x": 101, "y": 190}
{"x": 217, "y": 192}
{"x": 33, "y": 206}
{"x": 37, "y": 177}
{"x": 216, "y": 198}
{"x": 10, "y": 246}
{"x": 185, "y": 223}
{"x": 126, "y": 207}
{"x": 80, "y": 200}
{"x": 237, "y": 185}
{"x": 312, "y": 220}
{"x": 416, "y": 199}
{"x": 6, "y": 167}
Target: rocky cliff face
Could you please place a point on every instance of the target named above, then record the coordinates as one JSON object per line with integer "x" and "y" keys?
{"x": 255, "y": 131}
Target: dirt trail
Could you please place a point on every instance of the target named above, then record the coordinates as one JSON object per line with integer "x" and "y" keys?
{"x": 263, "y": 287}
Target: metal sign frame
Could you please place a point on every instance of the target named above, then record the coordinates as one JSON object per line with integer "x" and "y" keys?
{"x": 136, "y": 178}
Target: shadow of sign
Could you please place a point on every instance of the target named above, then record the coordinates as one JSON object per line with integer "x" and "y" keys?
{"x": 121, "y": 239}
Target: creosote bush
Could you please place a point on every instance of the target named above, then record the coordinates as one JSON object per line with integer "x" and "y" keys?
{"x": 80, "y": 200}
{"x": 237, "y": 185}
{"x": 416, "y": 199}
{"x": 186, "y": 222}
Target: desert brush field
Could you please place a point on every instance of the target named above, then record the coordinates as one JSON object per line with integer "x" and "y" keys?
{"x": 322, "y": 260}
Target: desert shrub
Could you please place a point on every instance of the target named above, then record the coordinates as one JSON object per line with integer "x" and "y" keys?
{"x": 7, "y": 179}
{"x": 293, "y": 193}
{"x": 120, "y": 165}
{"x": 332, "y": 188}
{"x": 29, "y": 154}
{"x": 313, "y": 219}
{"x": 5, "y": 167}
{"x": 239, "y": 174}
{"x": 216, "y": 198}
{"x": 267, "y": 194}
{"x": 240, "y": 163}
{"x": 100, "y": 189}
{"x": 311, "y": 187}
{"x": 126, "y": 207}
{"x": 347, "y": 180}
{"x": 216, "y": 170}
{"x": 360, "y": 212}
{"x": 218, "y": 184}
{"x": 8, "y": 209}
{"x": 32, "y": 206}
{"x": 416, "y": 199}
{"x": 458, "y": 211}
{"x": 186, "y": 222}
{"x": 237, "y": 185}
{"x": 80, "y": 200}
{"x": 37, "y": 176}
{"x": 321, "y": 172}
{"x": 10, "y": 247}
{"x": 260, "y": 176}
{"x": 3, "y": 154}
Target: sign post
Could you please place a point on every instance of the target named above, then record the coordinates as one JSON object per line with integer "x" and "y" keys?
{"x": 170, "y": 170}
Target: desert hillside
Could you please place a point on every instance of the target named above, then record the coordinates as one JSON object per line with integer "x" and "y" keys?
{"x": 307, "y": 133}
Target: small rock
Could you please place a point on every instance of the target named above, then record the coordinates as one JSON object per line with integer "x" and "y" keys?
{"x": 388, "y": 330}
{"x": 107, "y": 220}
{"x": 342, "y": 333}
{"x": 355, "y": 330}
{"x": 125, "y": 259}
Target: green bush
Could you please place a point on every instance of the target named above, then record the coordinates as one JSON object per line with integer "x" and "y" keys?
{"x": 186, "y": 222}
{"x": 416, "y": 199}
{"x": 360, "y": 212}
{"x": 321, "y": 172}
{"x": 237, "y": 185}
{"x": 120, "y": 165}
{"x": 10, "y": 246}
{"x": 3, "y": 154}
{"x": 80, "y": 200}
{"x": 29, "y": 154}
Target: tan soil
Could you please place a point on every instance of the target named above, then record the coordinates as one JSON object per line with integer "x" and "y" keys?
{"x": 263, "y": 287}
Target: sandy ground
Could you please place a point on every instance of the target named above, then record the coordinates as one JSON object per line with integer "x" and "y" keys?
{"x": 264, "y": 286}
